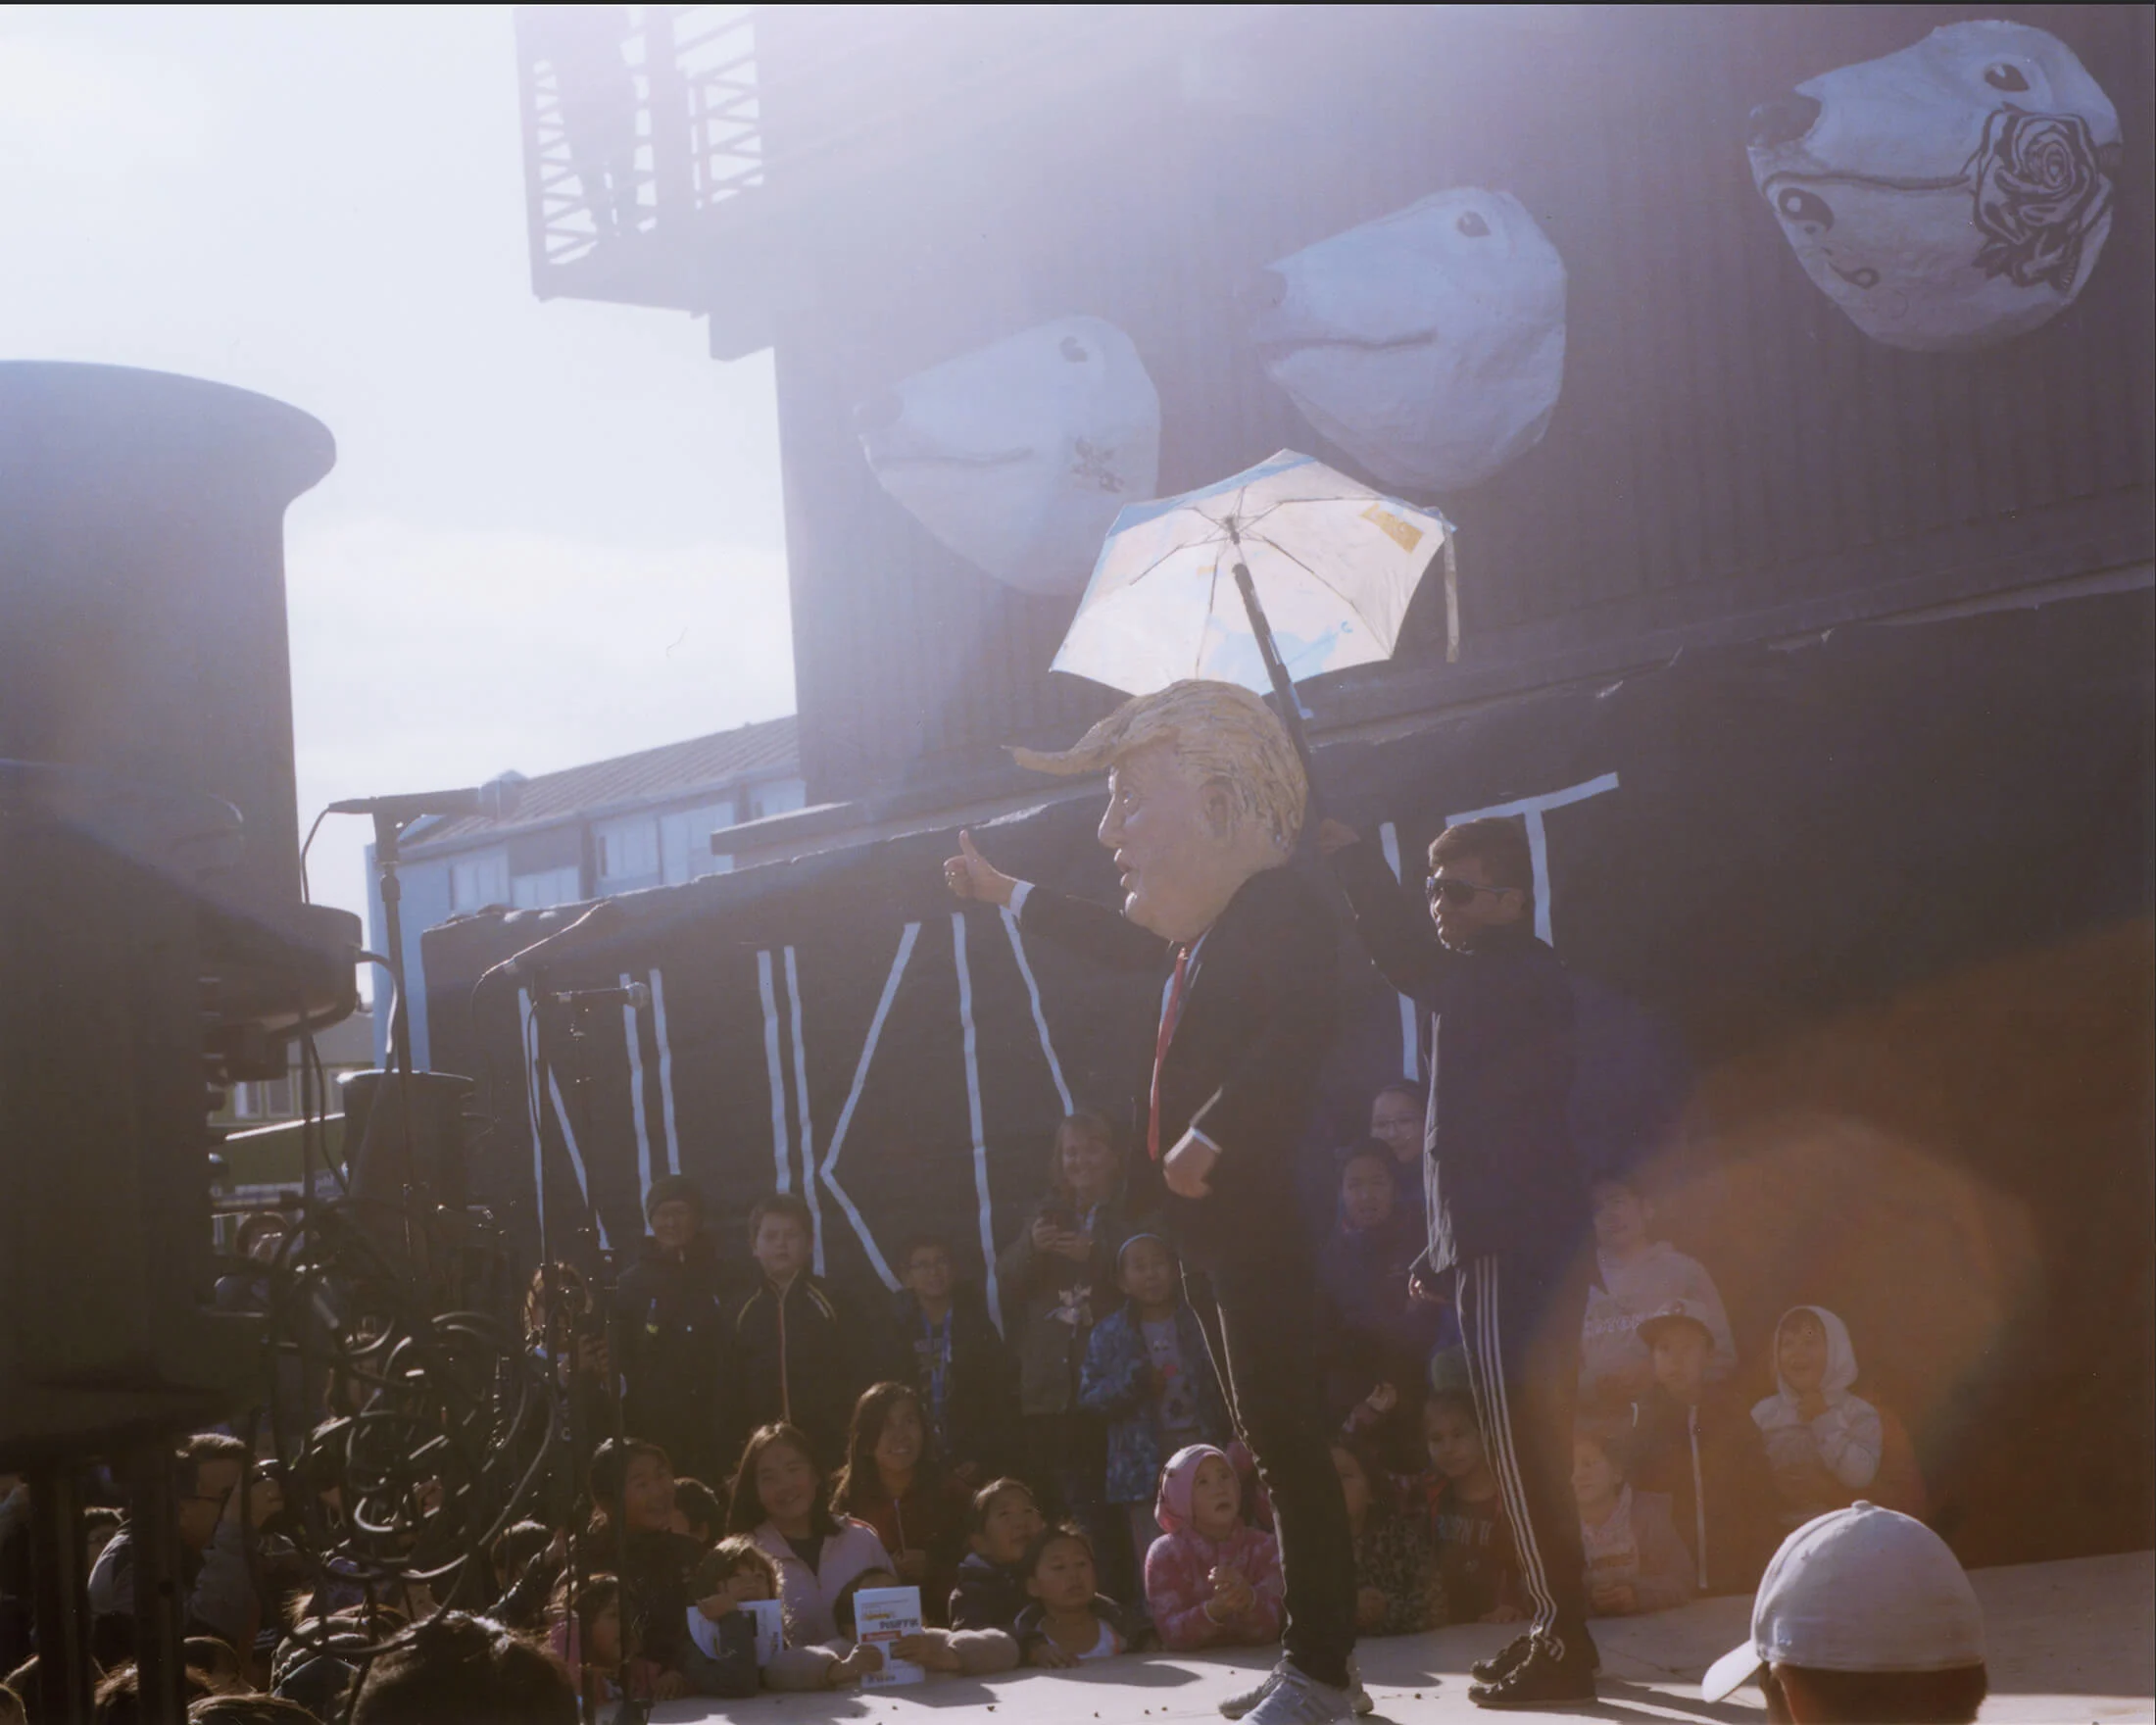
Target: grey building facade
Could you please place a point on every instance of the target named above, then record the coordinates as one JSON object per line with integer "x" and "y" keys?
{"x": 652, "y": 818}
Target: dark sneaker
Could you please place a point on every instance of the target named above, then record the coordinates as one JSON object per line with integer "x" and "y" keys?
{"x": 1502, "y": 1663}
{"x": 1553, "y": 1675}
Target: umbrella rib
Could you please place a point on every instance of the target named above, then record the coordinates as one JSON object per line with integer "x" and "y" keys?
{"x": 1318, "y": 578}
{"x": 1172, "y": 551}
{"x": 1212, "y": 595}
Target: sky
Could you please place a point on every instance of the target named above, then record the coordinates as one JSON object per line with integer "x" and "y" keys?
{"x": 554, "y": 530}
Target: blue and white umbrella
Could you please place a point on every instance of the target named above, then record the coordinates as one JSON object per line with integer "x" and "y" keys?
{"x": 1282, "y": 572}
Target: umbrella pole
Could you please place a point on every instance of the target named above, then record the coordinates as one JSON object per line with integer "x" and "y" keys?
{"x": 1284, "y": 688}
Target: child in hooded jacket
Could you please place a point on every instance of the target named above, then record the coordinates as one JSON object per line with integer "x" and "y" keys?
{"x": 1826, "y": 1446}
{"x": 1058, "y": 1276}
{"x": 1148, "y": 1374}
{"x": 1212, "y": 1580}
{"x": 1696, "y": 1443}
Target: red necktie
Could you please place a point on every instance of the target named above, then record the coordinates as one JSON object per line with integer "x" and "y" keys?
{"x": 1160, "y": 1049}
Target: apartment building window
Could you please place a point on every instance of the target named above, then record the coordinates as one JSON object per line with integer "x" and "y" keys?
{"x": 549, "y": 886}
{"x": 778, "y": 796}
{"x": 477, "y": 881}
{"x": 628, "y": 850}
{"x": 685, "y": 841}
{"x": 260, "y": 1100}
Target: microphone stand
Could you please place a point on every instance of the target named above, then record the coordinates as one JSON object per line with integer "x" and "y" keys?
{"x": 561, "y": 1337}
{"x": 630, "y": 1711}
{"x": 632, "y": 1625}
{"x": 388, "y": 829}
{"x": 579, "y": 1572}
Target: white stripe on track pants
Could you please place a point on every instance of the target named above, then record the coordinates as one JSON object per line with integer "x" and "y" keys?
{"x": 1521, "y": 1335}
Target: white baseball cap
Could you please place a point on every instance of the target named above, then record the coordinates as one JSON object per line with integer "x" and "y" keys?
{"x": 1689, "y": 1311}
{"x": 1862, "y": 1589}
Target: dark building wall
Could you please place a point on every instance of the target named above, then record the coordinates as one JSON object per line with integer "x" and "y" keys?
{"x": 1728, "y": 453}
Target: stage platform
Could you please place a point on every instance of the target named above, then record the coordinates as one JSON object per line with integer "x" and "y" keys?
{"x": 2070, "y": 1641}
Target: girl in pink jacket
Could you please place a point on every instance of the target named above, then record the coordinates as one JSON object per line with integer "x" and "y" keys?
{"x": 778, "y": 1500}
{"x": 1212, "y": 1580}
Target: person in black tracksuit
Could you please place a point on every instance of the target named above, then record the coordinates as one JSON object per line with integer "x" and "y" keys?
{"x": 1206, "y": 795}
{"x": 796, "y": 1354}
{"x": 1506, "y": 1199}
{"x": 669, "y": 1322}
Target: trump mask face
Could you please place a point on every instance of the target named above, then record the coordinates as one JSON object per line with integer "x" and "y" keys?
{"x": 1204, "y": 791}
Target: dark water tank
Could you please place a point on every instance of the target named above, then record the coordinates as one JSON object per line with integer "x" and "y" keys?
{"x": 152, "y": 937}
{"x": 143, "y": 618}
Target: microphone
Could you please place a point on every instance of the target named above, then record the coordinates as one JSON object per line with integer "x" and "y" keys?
{"x": 521, "y": 967}
{"x": 634, "y": 994}
{"x": 497, "y": 800}
{"x": 412, "y": 804}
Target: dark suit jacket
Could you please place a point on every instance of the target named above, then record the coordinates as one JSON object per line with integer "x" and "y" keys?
{"x": 1259, "y": 1015}
{"x": 1499, "y": 1167}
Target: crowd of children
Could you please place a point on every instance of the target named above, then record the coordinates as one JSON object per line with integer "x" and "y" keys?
{"x": 1066, "y": 1489}
{"x": 1069, "y": 1493}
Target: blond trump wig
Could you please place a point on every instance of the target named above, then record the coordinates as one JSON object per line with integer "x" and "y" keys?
{"x": 1223, "y": 733}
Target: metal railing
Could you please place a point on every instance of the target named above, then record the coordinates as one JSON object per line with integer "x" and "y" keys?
{"x": 649, "y": 130}
{"x": 634, "y": 117}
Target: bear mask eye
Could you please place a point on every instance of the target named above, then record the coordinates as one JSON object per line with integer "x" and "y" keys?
{"x": 1473, "y": 225}
{"x": 2003, "y": 77}
{"x": 1799, "y": 204}
{"x": 1073, "y": 350}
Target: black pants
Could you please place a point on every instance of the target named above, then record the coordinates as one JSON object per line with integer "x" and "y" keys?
{"x": 1261, "y": 1326}
{"x": 1521, "y": 1326}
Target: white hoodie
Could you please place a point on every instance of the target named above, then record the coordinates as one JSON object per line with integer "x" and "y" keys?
{"x": 1846, "y": 1439}
{"x": 1625, "y": 1292}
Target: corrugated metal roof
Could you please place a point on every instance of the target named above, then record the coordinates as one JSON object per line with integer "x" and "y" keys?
{"x": 665, "y": 775}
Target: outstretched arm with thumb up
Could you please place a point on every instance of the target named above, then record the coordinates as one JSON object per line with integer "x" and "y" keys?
{"x": 970, "y": 875}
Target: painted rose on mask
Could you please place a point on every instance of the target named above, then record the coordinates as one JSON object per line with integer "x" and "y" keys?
{"x": 1017, "y": 456}
{"x": 1951, "y": 195}
{"x": 2040, "y": 191}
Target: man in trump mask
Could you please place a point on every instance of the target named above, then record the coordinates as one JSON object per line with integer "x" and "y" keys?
{"x": 1207, "y": 797}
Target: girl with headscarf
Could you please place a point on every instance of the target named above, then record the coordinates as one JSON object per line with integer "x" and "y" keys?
{"x": 1211, "y": 1579}
{"x": 1822, "y": 1442}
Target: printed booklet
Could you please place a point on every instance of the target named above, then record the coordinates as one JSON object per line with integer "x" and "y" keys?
{"x": 769, "y": 1615}
{"x": 881, "y": 1615}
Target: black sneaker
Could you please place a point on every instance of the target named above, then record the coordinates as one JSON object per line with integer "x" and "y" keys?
{"x": 1503, "y": 1663}
{"x": 1553, "y": 1675}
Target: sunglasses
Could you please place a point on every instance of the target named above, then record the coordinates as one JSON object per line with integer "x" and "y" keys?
{"x": 1455, "y": 891}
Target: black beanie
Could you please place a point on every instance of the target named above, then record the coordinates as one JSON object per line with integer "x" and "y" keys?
{"x": 669, "y": 1187}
